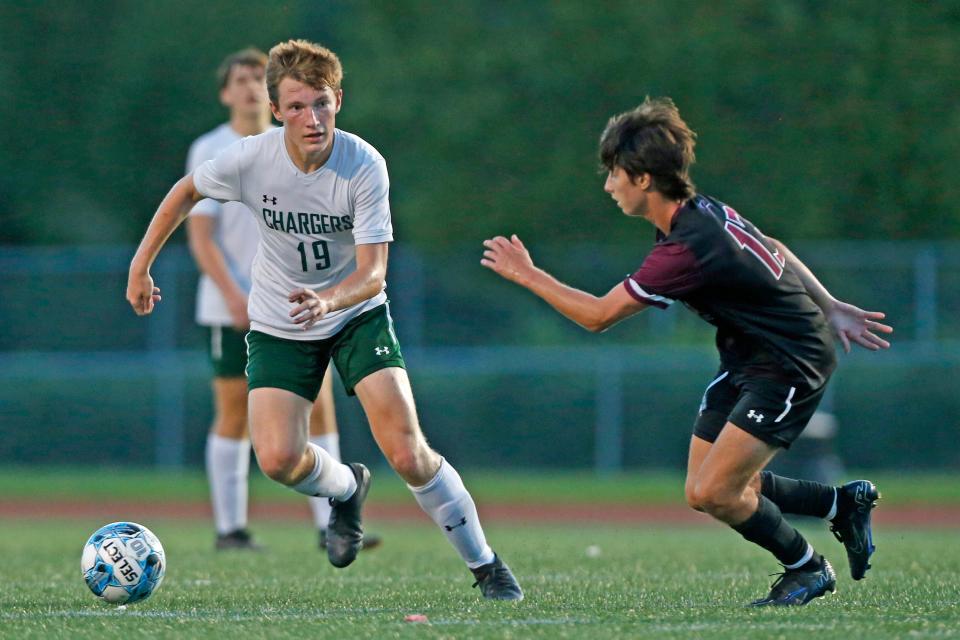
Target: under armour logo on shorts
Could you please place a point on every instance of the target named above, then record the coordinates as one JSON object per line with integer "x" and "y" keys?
{"x": 382, "y": 351}
{"x": 755, "y": 416}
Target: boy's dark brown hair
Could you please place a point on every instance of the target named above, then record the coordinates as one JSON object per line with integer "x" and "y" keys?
{"x": 653, "y": 139}
{"x": 249, "y": 57}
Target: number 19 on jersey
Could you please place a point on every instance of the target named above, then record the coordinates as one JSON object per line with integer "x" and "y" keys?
{"x": 321, "y": 256}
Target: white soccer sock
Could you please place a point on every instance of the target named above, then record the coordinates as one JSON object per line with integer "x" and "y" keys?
{"x": 328, "y": 478}
{"x": 228, "y": 468}
{"x": 449, "y": 504}
{"x": 329, "y": 442}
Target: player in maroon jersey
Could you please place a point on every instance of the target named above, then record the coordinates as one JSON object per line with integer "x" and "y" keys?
{"x": 775, "y": 333}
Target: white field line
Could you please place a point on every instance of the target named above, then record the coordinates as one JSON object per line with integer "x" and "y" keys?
{"x": 221, "y": 616}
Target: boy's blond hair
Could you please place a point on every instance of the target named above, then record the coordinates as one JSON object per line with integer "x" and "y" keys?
{"x": 303, "y": 61}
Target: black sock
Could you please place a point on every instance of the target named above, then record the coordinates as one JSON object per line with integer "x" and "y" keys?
{"x": 845, "y": 503}
{"x": 767, "y": 528}
{"x": 800, "y": 497}
{"x": 814, "y": 563}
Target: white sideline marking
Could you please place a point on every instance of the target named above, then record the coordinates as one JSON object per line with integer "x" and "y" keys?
{"x": 201, "y": 614}
{"x": 214, "y": 615}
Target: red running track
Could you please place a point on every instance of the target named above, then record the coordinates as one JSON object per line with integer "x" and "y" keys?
{"x": 927, "y": 516}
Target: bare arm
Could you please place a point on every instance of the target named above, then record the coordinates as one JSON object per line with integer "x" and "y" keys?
{"x": 210, "y": 259}
{"x": 511, "y": 260}
{"x": 141, "y": 294}
{"x": 368, "y": 280}
{"x": 849, "y": 322}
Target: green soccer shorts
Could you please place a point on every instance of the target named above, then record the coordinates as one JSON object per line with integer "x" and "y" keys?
{"x": 228, "y": 351}
{"x": 366, "y": 344}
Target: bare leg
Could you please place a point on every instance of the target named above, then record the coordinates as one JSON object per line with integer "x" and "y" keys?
{"x": 818, "y": 505}
{"x": 230, "y": 408}
{"x": 278, "y": 426}
{"x": 699, "y": 448}
{"x": 323, "y": 416}
{"x": 724, "y": 487}
{"x": 388, "y": 401}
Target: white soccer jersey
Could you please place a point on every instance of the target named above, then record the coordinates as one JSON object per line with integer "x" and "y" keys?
{"x": 236, "y": 232}
{"x": 309, "y": 224}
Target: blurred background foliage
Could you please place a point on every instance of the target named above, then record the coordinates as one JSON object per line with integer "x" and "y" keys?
{"x": 816, "y": 119}
{"x": 832, "y": 125}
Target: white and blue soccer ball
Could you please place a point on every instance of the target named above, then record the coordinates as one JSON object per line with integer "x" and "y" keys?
{"x": 123, "y": 562}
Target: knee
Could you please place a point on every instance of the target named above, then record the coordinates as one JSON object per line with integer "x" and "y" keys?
{"x": 712, "y": 498}
{"x": 279, "y": 464}
{"x": 405, "y": 462}
{"x": 416, "y": 465}
{"x": 693, "y": 498}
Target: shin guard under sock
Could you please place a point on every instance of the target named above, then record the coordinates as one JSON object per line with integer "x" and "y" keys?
{"x": 767, "y": 528}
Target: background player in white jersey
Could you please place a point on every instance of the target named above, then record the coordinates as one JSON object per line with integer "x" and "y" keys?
{"x": 223, "y": 240}
{"x": 318, "y": 294}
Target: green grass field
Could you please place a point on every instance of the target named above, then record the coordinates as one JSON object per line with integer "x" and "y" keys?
{"x": 648, "y": 581}
{"x": 549, "y": 487}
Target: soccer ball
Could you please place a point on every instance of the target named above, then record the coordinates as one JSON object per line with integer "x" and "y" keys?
{"x": 123, "y": 562}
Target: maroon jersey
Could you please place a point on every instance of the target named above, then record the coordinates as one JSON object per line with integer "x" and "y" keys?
{"x": 720, "y": 266}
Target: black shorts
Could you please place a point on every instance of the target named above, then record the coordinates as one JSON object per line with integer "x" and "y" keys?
{"x": 775, "y": 412}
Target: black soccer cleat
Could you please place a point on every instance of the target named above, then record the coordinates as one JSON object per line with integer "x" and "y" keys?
{"x": 240, "y": 539}
{"x": 852, "y": 524}
{"x": 370, "y": 541}
{"x": 796, "y": 587}
{"x": 345, "y": 529}
{"x": 496, "y": 581}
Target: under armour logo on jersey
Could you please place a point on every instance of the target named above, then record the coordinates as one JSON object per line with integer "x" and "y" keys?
{"x": 754, "y": 415}
{"x": 451, "y": 527}
{"x": 382, "y": 351}
{"x": 267, "y": 198}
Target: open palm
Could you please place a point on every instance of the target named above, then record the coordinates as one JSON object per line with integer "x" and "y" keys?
{"x": 853, "y": 324}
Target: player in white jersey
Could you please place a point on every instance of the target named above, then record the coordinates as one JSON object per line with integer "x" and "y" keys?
{"x": 321, "y": 198}
{"x": 223, "y": 240}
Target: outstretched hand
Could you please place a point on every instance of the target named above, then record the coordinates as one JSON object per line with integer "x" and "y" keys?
{"x": 853, "y": 324}
{"x": 508, "y": 258}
